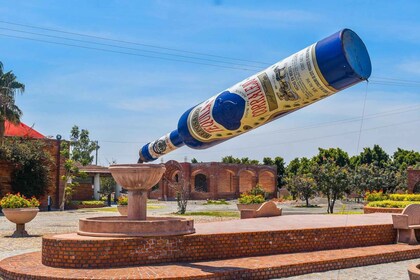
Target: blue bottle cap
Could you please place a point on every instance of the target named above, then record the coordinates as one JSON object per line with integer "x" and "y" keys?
{"x": 343, "y": 59}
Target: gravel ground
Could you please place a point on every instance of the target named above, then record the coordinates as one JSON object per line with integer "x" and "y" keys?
{"x": 67, "y": 221}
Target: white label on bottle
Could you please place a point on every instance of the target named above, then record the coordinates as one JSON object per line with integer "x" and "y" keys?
{"x": 286, "y": 86}
{"x": 161, "y": 146}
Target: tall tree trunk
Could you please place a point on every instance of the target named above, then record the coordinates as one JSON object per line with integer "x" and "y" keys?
{"x": 329, "y": 203}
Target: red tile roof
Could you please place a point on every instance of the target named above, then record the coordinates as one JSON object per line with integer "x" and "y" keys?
{"x": 21, "y": 130}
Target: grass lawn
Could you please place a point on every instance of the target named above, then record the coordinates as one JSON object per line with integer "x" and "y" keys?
{"x": 234, "y": 214}
{"x": 114, "y": 209}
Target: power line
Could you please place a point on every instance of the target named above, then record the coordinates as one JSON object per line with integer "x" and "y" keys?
{"x": 306, "y": 139}
{"x": 125, "y": 53}
{"x": 257, "y": 147}
{"x": 375, "y": 80}
{"x": 128, "y": 48}
{"x": 355, "y": 119}
{"x": 305, "y": 127}
{"x": 132, "y": 43}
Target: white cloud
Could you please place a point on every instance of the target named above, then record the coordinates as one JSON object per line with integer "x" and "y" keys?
{"x": 411, "y": 67}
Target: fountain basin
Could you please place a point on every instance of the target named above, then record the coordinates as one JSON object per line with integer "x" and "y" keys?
{"x": 138, "y": 177}
{"x": 115, "y": 226}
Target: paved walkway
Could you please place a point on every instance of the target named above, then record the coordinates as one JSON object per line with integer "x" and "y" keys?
{"x": 62, "y": 222}
{"x": 260, "y": 267}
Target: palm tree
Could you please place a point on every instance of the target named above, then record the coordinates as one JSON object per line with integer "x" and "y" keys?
{"x": 9, "y": 86}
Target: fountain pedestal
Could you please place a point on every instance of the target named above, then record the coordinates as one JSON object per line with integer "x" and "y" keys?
{"x": 137, "y": 179}
{"x": 137, "y": 205}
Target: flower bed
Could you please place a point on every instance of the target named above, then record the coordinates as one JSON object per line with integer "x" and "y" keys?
{"x": 86, "y": 204}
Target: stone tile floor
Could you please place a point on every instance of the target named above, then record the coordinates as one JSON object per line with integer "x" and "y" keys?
{"x": 62, "y": 222}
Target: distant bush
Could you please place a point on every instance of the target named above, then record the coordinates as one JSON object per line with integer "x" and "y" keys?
{"x": 251, "y": 199}
{"x": 375, "y": 196}
{"x": 391, "y": 203}
{"x": 88, "y": 202}
{"x": 216, "y": 202}
{"x": 404, "y": 197}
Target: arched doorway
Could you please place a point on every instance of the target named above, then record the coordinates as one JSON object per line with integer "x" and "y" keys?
{"x": 200, "y": 183}
{"x": 416, "y": 188}
{"x": 267, "y": 180}
{"x": 246, "y": 180}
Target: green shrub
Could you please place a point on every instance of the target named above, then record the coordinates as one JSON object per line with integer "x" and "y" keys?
{"x": 251, "y": 199}
{"x": 375, "y": 196}
{"x": 92, "y": 202}
{"x": 18, "y": 201}
{"x": 404, "y": 197}
{"x": 31, "y": 161}
{"x": 391, "y": 203}
{"x": 216, "y": 202}
{"x": 258, "y": 190}
{"x": 88, "y": 202}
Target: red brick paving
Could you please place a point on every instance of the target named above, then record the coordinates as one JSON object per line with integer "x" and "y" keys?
{"x": 262, "y": 267}
{"x": 222, "y": 240}
{"x": 301, "y": 233}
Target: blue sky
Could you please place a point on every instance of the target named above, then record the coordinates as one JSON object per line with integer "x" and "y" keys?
{"x": 126, "y": 100}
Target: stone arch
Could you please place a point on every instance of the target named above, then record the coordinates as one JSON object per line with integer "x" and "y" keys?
{"x": 416, "y": 188}
{"x": 226, "y": 181}
{"x": 247, "y": 180}
{"x": 413, "y": 179}
{"x": 201, "y": 183}
{"x": 168, "y": 183}
{"x": 267, "y": 179}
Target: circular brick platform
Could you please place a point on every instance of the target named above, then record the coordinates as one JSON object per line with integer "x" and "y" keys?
{"x": 120, "y": 226}
{"x": 29, "y": 266}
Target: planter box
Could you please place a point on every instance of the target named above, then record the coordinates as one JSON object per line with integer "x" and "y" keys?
{"x": 20, "y": 216}
{"x": 248, "y": 206}
{"x": 369, "y": 210}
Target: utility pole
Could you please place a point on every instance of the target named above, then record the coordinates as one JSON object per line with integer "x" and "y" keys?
{"x": 96, "y": 153}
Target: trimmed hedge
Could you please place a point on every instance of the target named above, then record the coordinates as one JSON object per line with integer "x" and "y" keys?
{"x": 404, "y": 197}
{"x": 391, "y": 203}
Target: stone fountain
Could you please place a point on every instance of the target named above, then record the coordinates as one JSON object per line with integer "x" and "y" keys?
{"x": 137, "y": 179}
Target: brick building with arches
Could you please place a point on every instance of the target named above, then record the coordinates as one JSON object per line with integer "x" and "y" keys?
{"x": 413, "y": 180}
{"x": 214, "y": 180}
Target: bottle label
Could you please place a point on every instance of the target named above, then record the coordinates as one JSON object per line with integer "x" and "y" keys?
{"x": 161, "y": 146}
{"x": 286, "y": 86}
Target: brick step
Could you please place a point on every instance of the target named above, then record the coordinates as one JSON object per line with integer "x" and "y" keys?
{"x": 29, "y": 266}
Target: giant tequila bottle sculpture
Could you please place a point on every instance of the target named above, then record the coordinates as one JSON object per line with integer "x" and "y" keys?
{"x": 318, "y": 71}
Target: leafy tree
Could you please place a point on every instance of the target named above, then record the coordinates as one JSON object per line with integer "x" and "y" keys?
{"x": 404, "y": 158}
{"x": 108, "y": 185}
{"x": 230, "y": 159}
{"x": 332, "y": 180}
{"x": 372, "y": 155}
{"x": 304, "y": 185}
{"x": 76, "y": 153}
{"x": 268, "y": 161}
{"x": 244, "y": 160}
{"x": 296, "y": 167}
{"x": 82, "y": 146}
{"x": 9, "y": 111}
{"x": 281, "y": 171}
{"x": 293, "y": 167}
{"x": 31, "y": 161}
{"x": 194, "y": 160}
{"x": 340, "y": 157}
